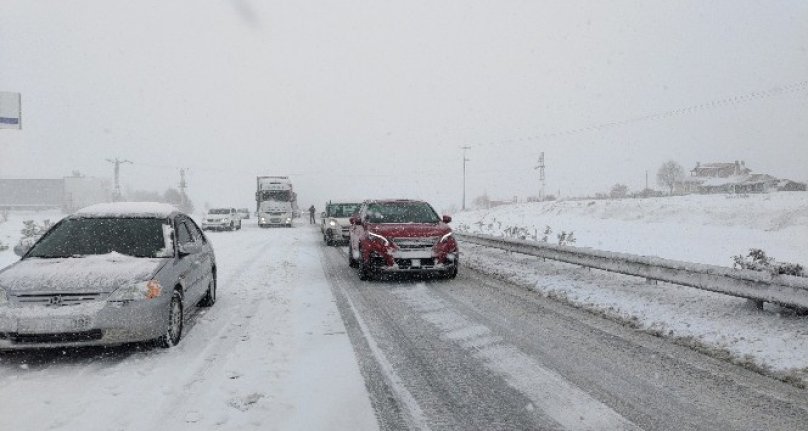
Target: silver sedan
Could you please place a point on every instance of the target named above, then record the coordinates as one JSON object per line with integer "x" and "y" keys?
{"x": 108, "y": 274}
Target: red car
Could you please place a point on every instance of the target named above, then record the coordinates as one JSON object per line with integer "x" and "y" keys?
{"x": 401, "y": 236}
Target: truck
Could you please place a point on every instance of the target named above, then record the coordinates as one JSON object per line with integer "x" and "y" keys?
{"x": 275, "y": 201}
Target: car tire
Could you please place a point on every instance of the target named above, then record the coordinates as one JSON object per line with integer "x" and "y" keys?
{"x": 329, "y": 239}
{"x": 210, "y": 296}
{"x": 232, "y": 226}
{"x": 365, "y": 271}
{"x": 173, "y": 332}
{"x": 351, "y": 261}
{"x": 452, "y": 273}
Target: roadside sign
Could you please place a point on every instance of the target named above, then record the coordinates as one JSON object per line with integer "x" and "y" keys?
{"x": 10, "y": 110}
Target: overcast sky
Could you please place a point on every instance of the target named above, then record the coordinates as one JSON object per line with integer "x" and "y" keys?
{"x": 357, "y": 99}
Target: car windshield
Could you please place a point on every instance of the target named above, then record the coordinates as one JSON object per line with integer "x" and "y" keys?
{"x": 341, "y": 210}
{"x": 401, "y": 212}
{"x": 276, "y": 195}
{"x": 139, "y": 237}
{"x": 219, "y": 211}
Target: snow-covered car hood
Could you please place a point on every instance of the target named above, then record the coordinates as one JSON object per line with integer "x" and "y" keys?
{"x": 99, "y": 273}
{"x": 409, "y": 230}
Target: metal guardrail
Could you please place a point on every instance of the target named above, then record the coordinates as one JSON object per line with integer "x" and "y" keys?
{"x": 758, "y": 286}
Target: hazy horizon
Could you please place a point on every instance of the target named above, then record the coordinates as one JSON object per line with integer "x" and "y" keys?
{"x": 362, "y": 99}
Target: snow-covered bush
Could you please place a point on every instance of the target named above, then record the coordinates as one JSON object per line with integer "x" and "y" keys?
{"x": 565, "y": 238}
{"x": 758, "y": 261}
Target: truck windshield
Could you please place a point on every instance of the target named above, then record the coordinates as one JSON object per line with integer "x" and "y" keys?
{"x": 341, "y": 210}
{"x": 276, "y": 195}
{"x": 139, "y": 237}
{"x": 401, "y": 212}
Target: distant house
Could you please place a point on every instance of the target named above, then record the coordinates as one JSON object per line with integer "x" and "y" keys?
{"x": 732, "y": 178}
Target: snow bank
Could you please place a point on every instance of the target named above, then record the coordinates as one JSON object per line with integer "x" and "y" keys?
{"x": 10, "y": 230}
{"x": 773, "y": 340}
{"x": 696, "y": 228}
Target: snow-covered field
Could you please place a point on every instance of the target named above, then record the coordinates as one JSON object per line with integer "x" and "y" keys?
{"x": 271, "y": 354}
{"x": 696, "y": 228}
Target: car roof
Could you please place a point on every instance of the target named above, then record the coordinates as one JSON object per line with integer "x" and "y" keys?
{"x": 128, "y": 209}
{"x": 385, "y": 201}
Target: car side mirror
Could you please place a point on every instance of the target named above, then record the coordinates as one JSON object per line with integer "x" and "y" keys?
{"x": 447, "y": 219}
{"x": 187, "y": 249}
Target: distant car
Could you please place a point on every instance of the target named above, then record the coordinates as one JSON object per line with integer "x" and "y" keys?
{"x": 335, "y": 221}
{"x": 108, "y": 274}
{"x": 401, "y": 236}
{"x": 244, "y": 213}
{"x": 222, "y": 219}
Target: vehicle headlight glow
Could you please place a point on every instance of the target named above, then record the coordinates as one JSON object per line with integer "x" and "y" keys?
{"x": 137, "y": 291}
{"x": 378, "y": 237}
{"x": 332, "y": 223}
{"x": 446, "y": 237}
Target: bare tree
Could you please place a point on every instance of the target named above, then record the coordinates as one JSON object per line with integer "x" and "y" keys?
{"x": 482, "y": 202}
{"x": 618, "y": 191}
{"x": 669, "y": 174}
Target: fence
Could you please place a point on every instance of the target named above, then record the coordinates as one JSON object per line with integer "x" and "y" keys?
{"x": 786, "y": 290}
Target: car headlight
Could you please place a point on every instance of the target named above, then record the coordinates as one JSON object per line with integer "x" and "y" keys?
{"x": 446, "y": 237}
{"x": 377, "y": 237}
{"x": 226, "y": 219}
{"x": 136, "y": 291}
{"x": 3, "y": 297}
{"x": 263, "y": 220}
{"x": 288, "y": 219}
{"x": 332, "y": 223}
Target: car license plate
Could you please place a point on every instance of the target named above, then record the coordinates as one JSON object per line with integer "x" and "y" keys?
{"x": 416, "y": 263}
{"x": 53, "y": 325}
{"x": 413, "y": 254}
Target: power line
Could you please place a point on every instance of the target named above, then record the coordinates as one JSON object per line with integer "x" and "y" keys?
{"x": 714, "y": 104}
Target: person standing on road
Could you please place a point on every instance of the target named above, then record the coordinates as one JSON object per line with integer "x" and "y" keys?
{"x": 311, "y": 214}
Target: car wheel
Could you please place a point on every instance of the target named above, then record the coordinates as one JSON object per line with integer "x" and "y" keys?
{"x": 175, "y": 321}
{"x": 329, "y": 239}
{"x": 351, "y": 261}
{"x": 365, "y": 271}
{"x": 232, "y": 226}
{"x": 210, "y": 297}
{"x": 452, "y": 273}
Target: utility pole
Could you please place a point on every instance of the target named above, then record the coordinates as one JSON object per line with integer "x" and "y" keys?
{"x": 540, "y": 167}
{"x": 464, "y": 174}
{"x": 646, "y": 180}
{"x": 116, "y": 193}
{"x": 183, "y": 186}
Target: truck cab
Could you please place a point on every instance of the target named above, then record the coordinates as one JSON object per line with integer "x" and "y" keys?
{"x": 275, "y": 201}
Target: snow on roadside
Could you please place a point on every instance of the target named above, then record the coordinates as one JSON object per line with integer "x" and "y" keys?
{"x": 10, "y": 230}
{"x": 695, "y": 228}
{"x": 774, "y": 340}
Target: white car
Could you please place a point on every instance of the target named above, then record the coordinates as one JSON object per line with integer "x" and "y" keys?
{"x": 335, "y": 221}
{"x": 222, "y": 219}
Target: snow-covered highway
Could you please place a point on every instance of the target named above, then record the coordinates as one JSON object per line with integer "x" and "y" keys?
{"x": 296, "y": 341}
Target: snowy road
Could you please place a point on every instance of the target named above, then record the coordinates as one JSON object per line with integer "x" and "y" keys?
{"x": 475, "y": 353}
{"x": 296, "y": 341}
{"x": 271, "y": 354}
